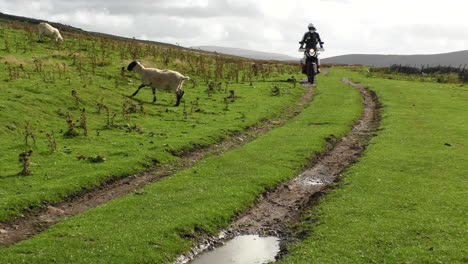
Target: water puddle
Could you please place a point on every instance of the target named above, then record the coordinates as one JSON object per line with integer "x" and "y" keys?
{"x": 247, "y": 249}
{"x": 315, "y": 182}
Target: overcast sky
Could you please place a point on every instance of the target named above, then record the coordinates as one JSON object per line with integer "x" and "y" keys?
{"x": 346, "y": 26}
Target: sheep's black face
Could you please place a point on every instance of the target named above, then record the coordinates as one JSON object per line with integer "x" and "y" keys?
{"x": 132, "y": 65}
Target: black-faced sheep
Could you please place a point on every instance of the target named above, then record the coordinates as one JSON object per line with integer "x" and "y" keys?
{"x": 49, "y": 31}
{"x": 167, "y": 80}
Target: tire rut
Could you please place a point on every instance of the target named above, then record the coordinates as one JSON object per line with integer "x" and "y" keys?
{"x": 278, "y": 209}
{"x": 38, "y": 220}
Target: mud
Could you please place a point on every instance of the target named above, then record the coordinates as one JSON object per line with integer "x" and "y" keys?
{"x": 278, "y": 209}
{"x": 37, "y": 220}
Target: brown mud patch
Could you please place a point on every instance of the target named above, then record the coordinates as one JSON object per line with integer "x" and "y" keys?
{"x": 37, "y": 220}
{"x": 278, "y": 209}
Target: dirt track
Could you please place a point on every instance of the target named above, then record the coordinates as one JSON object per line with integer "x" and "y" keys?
{"x": 276, "y": 210}
{"x": 34, "y": 222}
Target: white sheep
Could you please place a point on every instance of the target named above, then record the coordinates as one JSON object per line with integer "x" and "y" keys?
{"x": 167, "y": 80}
{"x": 49, "y": 31}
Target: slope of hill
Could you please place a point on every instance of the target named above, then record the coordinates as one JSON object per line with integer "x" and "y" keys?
{"x": 7, "y": 18}
{"x": 454, "y": 59}
{"x": 251, "y": 54}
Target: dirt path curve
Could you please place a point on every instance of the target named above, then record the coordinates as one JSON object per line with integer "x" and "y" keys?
{"x": 276, "y": 210}
{"x": 36, "y": 221}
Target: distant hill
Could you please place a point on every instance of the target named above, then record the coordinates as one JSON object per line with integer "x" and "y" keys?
{"x": 251, "y": 54}
{"x": 454, "y": 59}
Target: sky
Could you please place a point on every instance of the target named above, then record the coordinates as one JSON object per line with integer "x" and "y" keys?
{"x": 346, "y": 26}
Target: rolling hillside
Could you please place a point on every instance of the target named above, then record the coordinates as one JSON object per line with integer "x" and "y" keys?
{"x": 454, "y": 59}
{"x": 251, "y": 54}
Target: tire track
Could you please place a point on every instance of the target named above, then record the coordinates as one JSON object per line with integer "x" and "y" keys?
{"x": 276, "y": 210}
{"x": 38, "y": 220}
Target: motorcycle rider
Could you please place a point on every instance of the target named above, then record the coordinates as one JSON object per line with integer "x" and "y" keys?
{"x": 311, "y": 39}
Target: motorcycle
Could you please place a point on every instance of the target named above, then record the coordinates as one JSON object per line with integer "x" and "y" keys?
{"x": 310, "y": 63}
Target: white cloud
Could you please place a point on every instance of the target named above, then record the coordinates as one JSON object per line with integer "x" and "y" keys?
{"x": 272, "y": 34}
{"x": 346, "y": 26}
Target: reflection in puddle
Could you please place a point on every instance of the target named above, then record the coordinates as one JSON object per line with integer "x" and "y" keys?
{"x": 307, "y": 182}
{"x": 249, "y": 249}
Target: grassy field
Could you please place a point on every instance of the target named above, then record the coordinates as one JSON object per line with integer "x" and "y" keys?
{"x": 44, "y": 87}
{"x": 405, "y": 200}
{"x": 157, "y": 223}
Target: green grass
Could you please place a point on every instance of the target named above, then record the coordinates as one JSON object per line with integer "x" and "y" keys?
{"x": 40, "y": 94}
{"x": 156, "y": 224}
{"x": 405, "y": 200}
{"x": 387, "y": 73}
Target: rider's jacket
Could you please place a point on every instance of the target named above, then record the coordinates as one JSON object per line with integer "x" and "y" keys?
{"x": 311, "y": 40}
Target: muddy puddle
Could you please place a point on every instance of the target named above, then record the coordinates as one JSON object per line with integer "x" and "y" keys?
{"x": 245, "y": 249}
